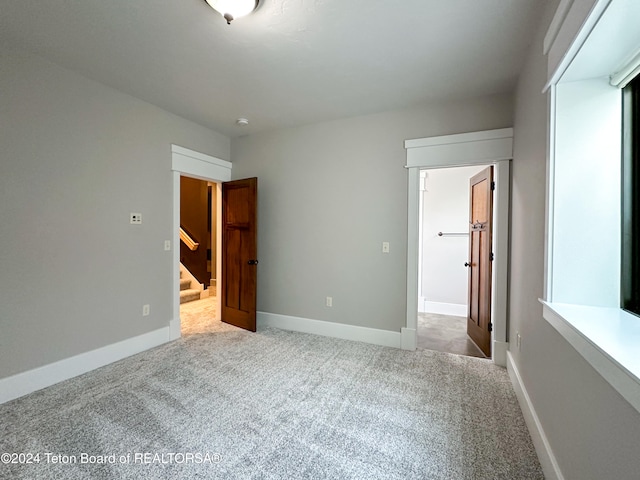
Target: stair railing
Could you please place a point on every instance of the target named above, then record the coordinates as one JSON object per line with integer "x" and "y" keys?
{"x": 188, "y": 241}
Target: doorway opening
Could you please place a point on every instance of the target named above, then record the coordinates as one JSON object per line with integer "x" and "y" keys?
{"x": 196, "y": 165}
{"x": 200, "y": 242}
{"x": 236, "y": 227}
{"x": 489, "y": 147}
{"x": 444, "y": 257}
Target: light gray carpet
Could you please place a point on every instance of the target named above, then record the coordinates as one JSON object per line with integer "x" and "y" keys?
{"x": 446, "y": 333}
{"x": 277, "y": 405}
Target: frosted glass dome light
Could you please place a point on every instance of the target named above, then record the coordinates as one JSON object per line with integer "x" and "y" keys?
{"x": 232, "y": 9}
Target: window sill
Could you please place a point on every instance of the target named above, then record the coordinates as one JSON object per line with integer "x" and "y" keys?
{"x": 607, "y": 338}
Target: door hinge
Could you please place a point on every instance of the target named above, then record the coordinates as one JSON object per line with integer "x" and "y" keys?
{"x": 493, "y": 185}
{"x": 491, "y": 257}
{"x": 490, "y": 327}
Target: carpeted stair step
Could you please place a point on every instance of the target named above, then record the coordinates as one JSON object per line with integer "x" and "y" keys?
{"x": 185, "y": 284}
{"x": 189, "y": 295}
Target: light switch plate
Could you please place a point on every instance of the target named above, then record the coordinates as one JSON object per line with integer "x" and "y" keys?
{"x": 135, "y": 219}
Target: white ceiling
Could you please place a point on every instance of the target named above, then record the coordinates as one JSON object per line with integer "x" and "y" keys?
{"x": 291, "y": 62}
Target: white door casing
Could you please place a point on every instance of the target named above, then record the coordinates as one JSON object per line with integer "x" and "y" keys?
{"x": 204, "y": 167}
{"x": 489, "y": 147}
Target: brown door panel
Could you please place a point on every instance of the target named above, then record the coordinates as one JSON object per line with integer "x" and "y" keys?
{"x": 239, "y": 253}
{"x": 480, "y": 234}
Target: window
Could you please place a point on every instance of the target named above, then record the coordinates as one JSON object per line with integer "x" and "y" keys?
{"x": 630, "y": 267}
{"x": 592, "y": 290}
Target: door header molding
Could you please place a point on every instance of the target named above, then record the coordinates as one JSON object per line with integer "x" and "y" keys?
{"x": 474, "y": 148}
{"x": 199, "y": 165}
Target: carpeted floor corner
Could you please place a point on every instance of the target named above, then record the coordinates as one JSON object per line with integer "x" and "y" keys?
{"x": 275, "y": 405}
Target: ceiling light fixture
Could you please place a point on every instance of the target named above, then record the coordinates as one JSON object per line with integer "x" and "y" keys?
{"x": 232, "y": 9}
{"x": 242, "y": 122}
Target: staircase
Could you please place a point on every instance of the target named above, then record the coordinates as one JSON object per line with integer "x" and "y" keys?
{"x": 188, "y": 294}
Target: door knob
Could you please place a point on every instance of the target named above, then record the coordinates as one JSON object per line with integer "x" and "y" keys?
{"x": 252, "y": 262}
{"x": 467, "y": 264}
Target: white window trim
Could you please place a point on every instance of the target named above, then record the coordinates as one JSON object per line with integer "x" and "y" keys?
{"x": 607, "y": 338}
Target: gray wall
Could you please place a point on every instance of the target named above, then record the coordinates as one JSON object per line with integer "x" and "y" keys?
{"x": 76, "y": 159}
{"x": 593, "y": 432}
{"x": 330, "y": 194}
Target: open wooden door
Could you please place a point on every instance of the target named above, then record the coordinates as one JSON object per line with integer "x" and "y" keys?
{"x": 239, "y": 251}
{"x": 480, "y": 257}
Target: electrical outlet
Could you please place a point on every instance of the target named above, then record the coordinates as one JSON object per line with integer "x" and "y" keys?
{"x": 145, "y": 310}
{"x": 167, "y": 245}
{"x": 329, "y": 301}
{"x": 518, "y": 341}
{"x": 385, "y": 247}
{"x": 135, "y": 218}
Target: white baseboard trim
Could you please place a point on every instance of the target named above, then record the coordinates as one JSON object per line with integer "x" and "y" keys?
{"x": 27, "y": 382}
{"x": 409, "y": 338}
{"x": 550, "y": 466}
{"x": 422, "y": 304}
{"x": 330, "y": 329}
{"x": 175, "y": 327}
{"x": 500, "y": 353}
{"x": 445, "y": 308}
